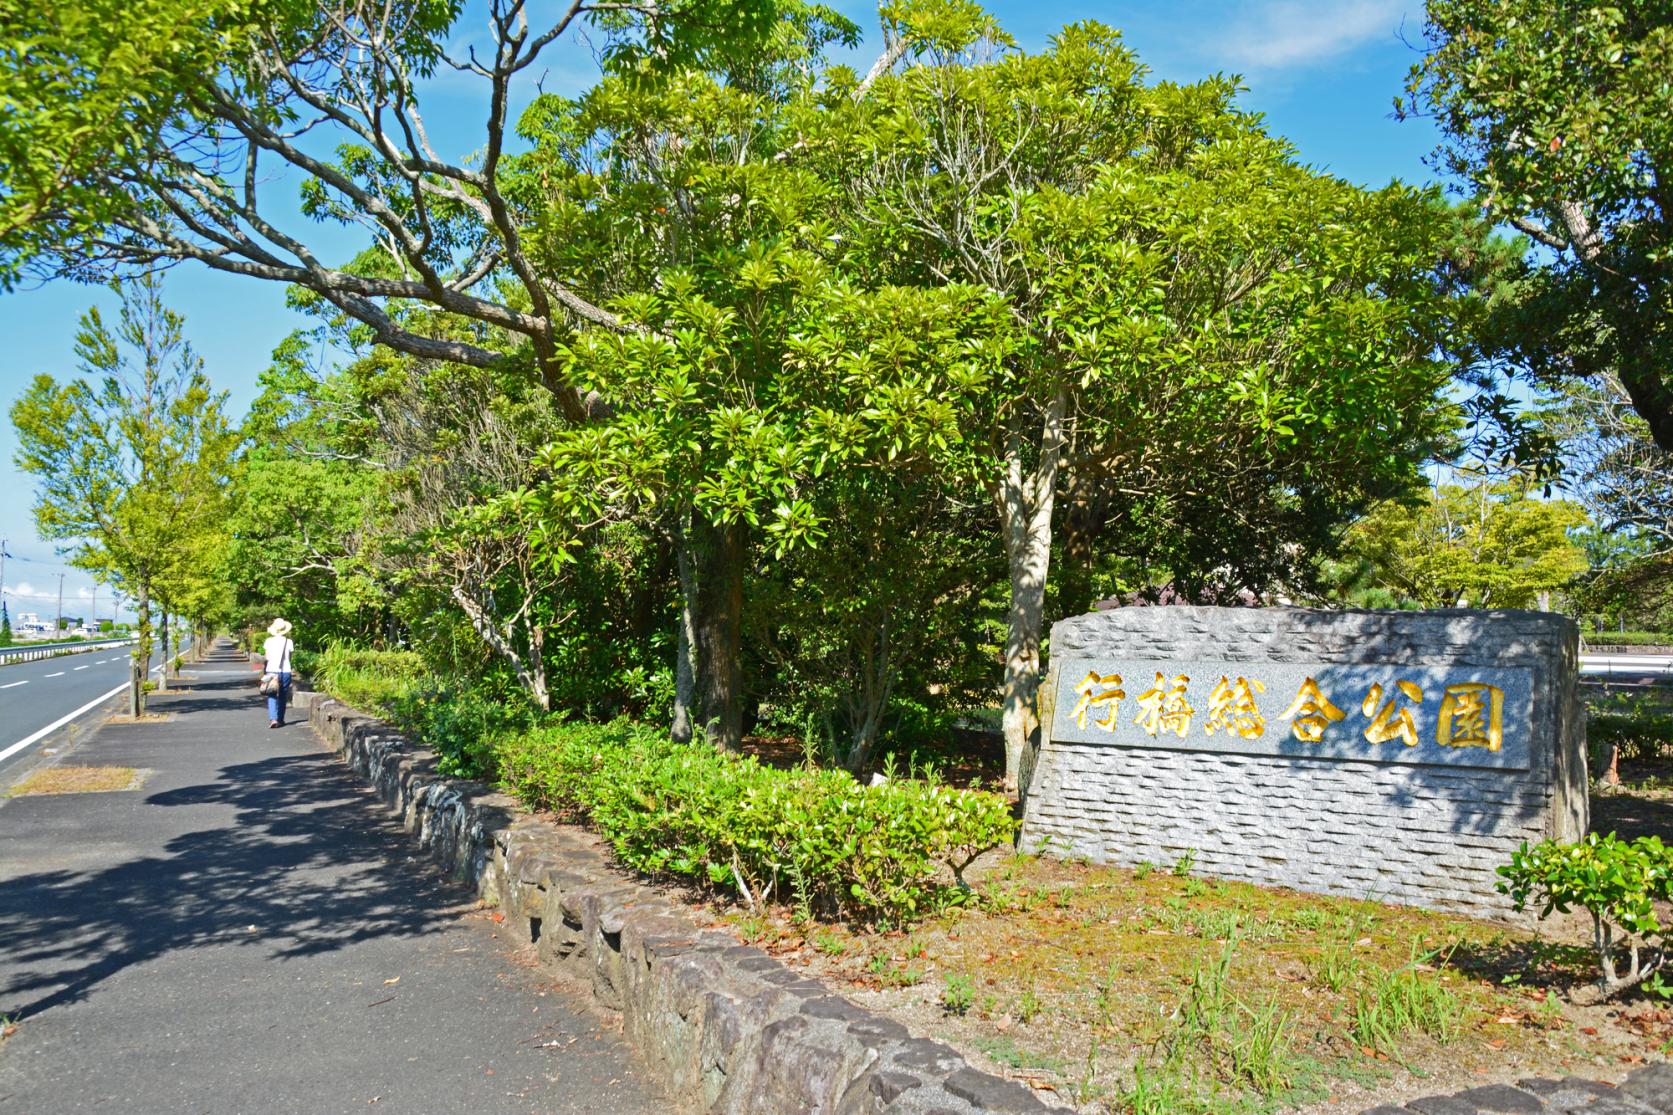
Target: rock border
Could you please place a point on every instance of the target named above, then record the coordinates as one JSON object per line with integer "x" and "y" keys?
{"x": 720, "y": 1024}
{"x": 1648, "y": 1091}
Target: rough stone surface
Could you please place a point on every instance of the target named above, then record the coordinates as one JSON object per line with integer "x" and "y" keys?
{"x": 1438, "y": 831}
{"x": 1648, "y": 1091}
{"x": 723, "y": 1026}
{"x": 1501, "y": 1098}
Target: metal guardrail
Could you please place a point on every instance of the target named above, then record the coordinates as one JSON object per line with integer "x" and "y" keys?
{"x": 1635, "y": 667}
{"x": 30, "y": 652}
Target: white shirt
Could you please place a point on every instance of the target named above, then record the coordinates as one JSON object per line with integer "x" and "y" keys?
{"x": 277, "y": 652}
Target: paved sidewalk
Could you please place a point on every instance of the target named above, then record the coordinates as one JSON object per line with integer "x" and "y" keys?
{"x": 248, "y": 933}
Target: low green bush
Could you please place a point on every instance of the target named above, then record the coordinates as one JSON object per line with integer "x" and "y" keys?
{"x": 818, "y": 838}
{"x": 463, "y": 725}
{"x": 370, "y": 679}
{"x": 1616, "y": 881}
{"x": 1629, "y": 639}
{"x": 1640, "y": 725}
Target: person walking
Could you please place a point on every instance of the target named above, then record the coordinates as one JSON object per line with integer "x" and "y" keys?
{"x": 277, "y": 651}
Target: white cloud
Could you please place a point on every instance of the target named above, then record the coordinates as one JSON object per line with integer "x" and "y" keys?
{"x": 1298, "y": 33}
{"x": 25, "y": 589}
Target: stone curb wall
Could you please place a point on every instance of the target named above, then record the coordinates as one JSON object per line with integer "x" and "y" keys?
{"x": 1648, "y": 1091}
{"x": 723, "y": 1026}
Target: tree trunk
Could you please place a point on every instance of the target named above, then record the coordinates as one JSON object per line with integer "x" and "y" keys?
{"x": 142, "y": 653}
{"x": 867, "y": 706}
{"x": 722, "y": 551}
{"x": 685, "y": 671}
{"x": 162, "y": 676}
{"x": 1024, "y": 501}
{"x": 530, "y": 669}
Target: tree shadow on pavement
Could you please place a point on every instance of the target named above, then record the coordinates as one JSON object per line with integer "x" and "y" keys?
{"x": 309, "y": 864}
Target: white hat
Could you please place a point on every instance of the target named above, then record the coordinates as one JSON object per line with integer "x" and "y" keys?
{"x": 279, "y": 627}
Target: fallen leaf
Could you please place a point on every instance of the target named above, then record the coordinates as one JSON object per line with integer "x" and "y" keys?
{"x": 1591, "y": 1030}
{"x": 1497, "y": 1043}
{"x": 496, "y": 917}
{"x": 389, "y": 982}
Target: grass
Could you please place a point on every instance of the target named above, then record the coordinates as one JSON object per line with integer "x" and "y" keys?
{"x": 1393, "y": 1005}
{"x": 1148, "y": 991}
{"x": 78, "y": 780}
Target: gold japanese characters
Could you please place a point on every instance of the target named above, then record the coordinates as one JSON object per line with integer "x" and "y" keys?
{"x": 1467, "y": 714}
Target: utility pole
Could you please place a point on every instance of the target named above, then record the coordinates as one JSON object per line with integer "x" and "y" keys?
{"x": 60, "y": 626}
{"x": 94, "y": 607}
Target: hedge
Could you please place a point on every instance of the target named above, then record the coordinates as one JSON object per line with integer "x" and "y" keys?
{"x": 880, "y": 854}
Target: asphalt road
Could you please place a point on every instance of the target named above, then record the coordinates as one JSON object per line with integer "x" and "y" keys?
{"x": 36, "y": 695}
{"x": 248, "y": 932}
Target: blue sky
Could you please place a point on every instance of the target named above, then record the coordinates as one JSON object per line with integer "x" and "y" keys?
{"x": 1324, "y": 72}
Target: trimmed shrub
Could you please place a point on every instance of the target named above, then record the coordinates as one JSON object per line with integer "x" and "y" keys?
{"x": 1629, "y": 638}
{"x": 818, "y": 838}
{"x": 365, "y": 678}
{"x": 464, "y": 726}
{"x": 1620, "y": 884}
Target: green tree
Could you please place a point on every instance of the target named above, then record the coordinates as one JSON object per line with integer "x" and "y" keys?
{"x": 138, "y": 133}
{"x": 1557, "y": 116}
{"x": 1228, "y": 354}
{"x": 688, "y": 208}
{"x": 1492, "y": 544}
{"x": 131, "y": 460}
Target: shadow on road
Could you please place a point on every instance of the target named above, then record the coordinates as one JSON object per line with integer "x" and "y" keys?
{"x": 301, "y": 868}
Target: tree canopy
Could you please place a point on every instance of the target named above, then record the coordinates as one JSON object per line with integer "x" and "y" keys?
{"x": 1557, "y": 116}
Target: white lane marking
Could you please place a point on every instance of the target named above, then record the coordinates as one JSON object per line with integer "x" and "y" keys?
{"x": 13, "y": 685}
{"x": 60, "y": 722}
{"x": 81, "y": 667}
{"x": 59, "y": 674}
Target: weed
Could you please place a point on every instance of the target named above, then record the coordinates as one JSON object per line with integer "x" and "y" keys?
{"x": 1260, "y": 1048}
{"x": 1158, "y": 1091}
{"x": 958, "y": 994}
{"x": 1310, "y": 920}
{"x": 1027, "y": 1006}
{"x": 753, "y": 927}
{"x": 1142, "y": 870}
{"x": 1195, "y": 888}
{"x": 1404, "y": 1001}
{"x": 909, "y": 976}
{"x": 1183, "y": 865}
{"x": 831, "y": 944}
{"x": 1335, "y": 966}
{"x": 1248, "y": 1046}
{"x": 1006, "y": 1052}
{"x": 914, "y": 949}
{"x": 880, "y": 963}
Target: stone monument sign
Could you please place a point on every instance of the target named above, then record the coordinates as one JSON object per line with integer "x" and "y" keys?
{"x": 1400, "y": 756}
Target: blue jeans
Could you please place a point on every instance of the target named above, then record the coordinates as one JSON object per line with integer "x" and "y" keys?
{"x": 276, "y": 703}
